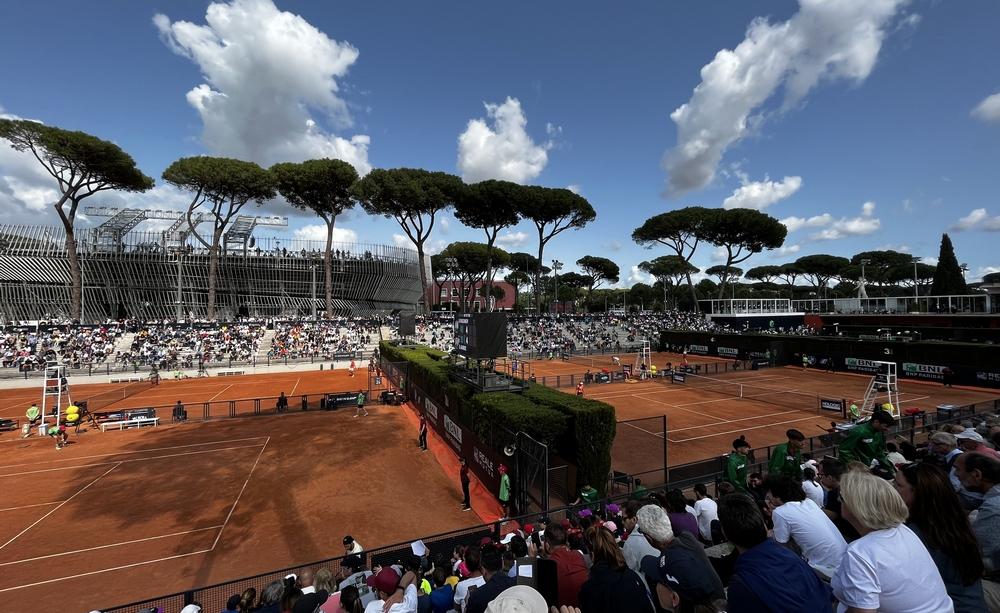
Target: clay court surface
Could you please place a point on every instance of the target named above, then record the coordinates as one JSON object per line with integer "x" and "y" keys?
{"x": 121, "y": 516}
{"x": 702, "y": 424}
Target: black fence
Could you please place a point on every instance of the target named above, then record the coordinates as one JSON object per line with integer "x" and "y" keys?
{"x": 213, "y": 597}
{"x": 975, "y": 364}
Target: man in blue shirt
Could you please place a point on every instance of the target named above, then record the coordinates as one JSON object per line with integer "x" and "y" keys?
{"x": 767, "y": 576}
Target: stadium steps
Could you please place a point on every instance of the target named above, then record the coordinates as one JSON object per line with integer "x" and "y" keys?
{"x": 265, "y": 345}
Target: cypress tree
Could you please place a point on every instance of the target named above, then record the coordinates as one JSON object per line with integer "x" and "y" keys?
{"x": 948, "y": 280}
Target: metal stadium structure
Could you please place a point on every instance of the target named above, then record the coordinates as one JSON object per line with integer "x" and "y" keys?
{"x": 148, "y": 275}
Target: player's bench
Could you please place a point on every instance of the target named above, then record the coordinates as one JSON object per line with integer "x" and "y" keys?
{"x": 138, "y": 422}
{"x": 229, "y": 373}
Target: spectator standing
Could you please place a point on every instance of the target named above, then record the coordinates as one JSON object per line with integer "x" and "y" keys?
{"x": 473, "y": 560}
{"x": 706, "y": 511}
{"x": 767, "y": 577}
{"x": 612, "y": 586}
{"x": 871, "y": 576}
{"x": 495, "y": 581}
{"x": 798, "y": 519}
{"x": 571, "y": 568}
{"x": 737, "y": 463}
{"x": 865, "y": 442}
{"x": 937, "y": 518}
{"x": 786, "y": 458}
{"x": 463, "y": 475}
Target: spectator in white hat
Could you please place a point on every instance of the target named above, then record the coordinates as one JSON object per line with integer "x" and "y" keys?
{"x": 971, "y": 441}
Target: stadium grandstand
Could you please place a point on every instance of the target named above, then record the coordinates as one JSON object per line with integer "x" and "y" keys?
{"x": 147, "y": 275}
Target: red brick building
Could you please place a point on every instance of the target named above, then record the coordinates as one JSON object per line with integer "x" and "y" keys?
{"x": 447, "y": 296}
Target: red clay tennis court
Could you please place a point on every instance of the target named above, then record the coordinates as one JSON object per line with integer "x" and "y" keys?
{"x": 119, "y": 516}
{"x": 702, "y": 423}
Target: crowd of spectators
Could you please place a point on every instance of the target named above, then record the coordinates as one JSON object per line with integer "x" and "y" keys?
{"x": 322, "y": 338}
{"x": 29, "y": 350}
{"x": 170, "y": 346}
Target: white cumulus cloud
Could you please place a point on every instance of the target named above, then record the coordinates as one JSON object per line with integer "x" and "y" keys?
{"x": 761, "y": 194}
{"x": 512, "y": 239}
{"x": 317, "y": 232}
{"x": 267, "y": 71}
{"x": 822, "y": 40}
{"x": 794, "y": 223}
{"x": 499, "y": 147}
{"x": 863, "y": 225}
{"x": 978, "y": 219}
{"x": 988, "y": 109}
{"x": 637, "y": 275}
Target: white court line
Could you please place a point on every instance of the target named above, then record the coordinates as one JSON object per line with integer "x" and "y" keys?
{"x": 658, "y": 434}
{"x": 730, "y": 421}
{"x": 777, "y": 423}
{"x": 159, "y": 457}
{"x": 104, "y": 570}
{"x": 240, "y": 495}
{"x": 222, "y": 391}
{"x": 292, "y": 393}
{"x": 37, "y": 521}
{"x": 28, "y": 506}
{"x": 102, "y": 455}
{"x": 142, "y": 540}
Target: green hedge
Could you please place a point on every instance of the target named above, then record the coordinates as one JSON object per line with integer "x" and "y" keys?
{"x": 580, "y": 430}
{"x": 591, "y": 434}
{"x": 493, "y": 412}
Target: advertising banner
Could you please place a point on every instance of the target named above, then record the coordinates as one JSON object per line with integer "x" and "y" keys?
{"x": 728, "y": 352}
{"x": 861, "y": 365}
{"x": 831, "y": 405}
{"x": 698, "y": 349}
{"x": 923, "y": 371}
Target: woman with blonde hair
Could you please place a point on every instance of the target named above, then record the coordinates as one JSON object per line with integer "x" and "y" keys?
{"x": 612, "y": 585}
{"x": 888, "y": 569}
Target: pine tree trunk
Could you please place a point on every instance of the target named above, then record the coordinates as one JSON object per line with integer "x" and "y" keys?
{"x": 75, "y": 277}
{"x": 213, "y": 272}
{"x": 328, "y": 270}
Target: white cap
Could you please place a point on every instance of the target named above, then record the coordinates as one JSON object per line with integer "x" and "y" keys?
{"x": 970, "y": 435}
{"x": 191, "y": 608}
{"x": 518, "y": 599}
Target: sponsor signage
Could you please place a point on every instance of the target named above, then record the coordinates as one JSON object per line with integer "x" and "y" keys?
{"x": 343, "y": 356}
{"x": 923, "y": 371}
{"x": 602, "y": 377}
{"x": 988, "y": 377}
{"x": 728, "y": 352}
{"x": 454, "y": 433}
{"x": 861, "y": 365}
{"x": 484, "y": 462}
{"x": 431, "y": 409}
{"x": 341, "y": 399}
{"x": 678, "y": 377}
{"x": 831, "y": 405}
{"x": 760, "y": 355}
{"x": 698, "y": 349}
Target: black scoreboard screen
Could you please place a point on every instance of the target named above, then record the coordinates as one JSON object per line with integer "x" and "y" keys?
{"x": 481, "y": 335}
{"x": 407, "y": 324}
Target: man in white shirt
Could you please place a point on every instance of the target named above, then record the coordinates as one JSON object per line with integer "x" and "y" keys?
{"x": 705, "y": 511}
{"x": 386, "y": 585}
{"x": 797, "y": 518}
{"x": 352, "y": 547}
{"x": 473, "y": 557}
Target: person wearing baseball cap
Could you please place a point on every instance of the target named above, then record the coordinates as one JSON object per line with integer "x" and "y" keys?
{"x": 865, "y": 442}
{"x": 971, "y": 441}
{"x": 352, "y": 547}
{"x": 518, "y": 599}
{"x": 385, "y": 584}
{"x": 682, "y": 573}
{"x": 786, "y": 458}
{"x": 737, "y": 463}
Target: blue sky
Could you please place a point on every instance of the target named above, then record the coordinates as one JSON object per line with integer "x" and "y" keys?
{"x": 862, "y": 124}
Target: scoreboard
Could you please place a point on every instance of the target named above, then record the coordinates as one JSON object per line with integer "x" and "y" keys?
{"x": 481, "y": 335}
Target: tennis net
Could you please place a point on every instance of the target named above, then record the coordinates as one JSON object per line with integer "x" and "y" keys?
{"x": 106, "y": 399}
{"x": 746, "y": 391}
